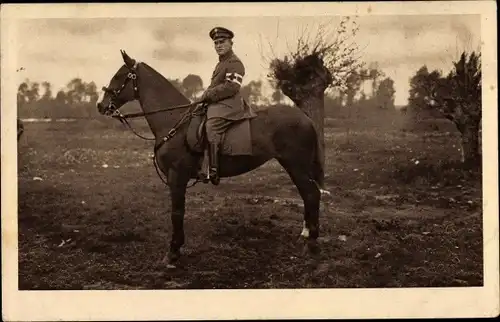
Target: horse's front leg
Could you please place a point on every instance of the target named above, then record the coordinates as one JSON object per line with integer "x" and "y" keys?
{"x": 177, "y": 182}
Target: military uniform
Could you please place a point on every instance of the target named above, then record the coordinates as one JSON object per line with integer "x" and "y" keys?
{"x": 225, "y": 103}
{"x": 224, "y": 90}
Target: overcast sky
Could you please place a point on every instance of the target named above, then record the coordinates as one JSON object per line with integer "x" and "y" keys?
{"x": 58, "y": 50}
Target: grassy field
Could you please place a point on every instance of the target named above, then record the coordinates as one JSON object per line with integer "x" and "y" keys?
{"x": 93, "y": 214}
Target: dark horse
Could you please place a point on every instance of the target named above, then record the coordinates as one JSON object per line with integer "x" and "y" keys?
{"x": 281, "y": 133}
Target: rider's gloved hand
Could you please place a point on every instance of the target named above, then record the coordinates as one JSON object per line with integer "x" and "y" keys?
{"x": 205, "y": 99}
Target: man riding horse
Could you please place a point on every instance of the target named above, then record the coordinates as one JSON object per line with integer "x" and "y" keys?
{"x": 223, "y": 99}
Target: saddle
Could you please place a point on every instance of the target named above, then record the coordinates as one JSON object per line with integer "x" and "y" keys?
{"x": 235, "y": 141}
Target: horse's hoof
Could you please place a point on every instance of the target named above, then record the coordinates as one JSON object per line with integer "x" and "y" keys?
{"x": 172, "y": 258}
{"x": 313, "y": 247}
{"x": 166, "y": 262}
{"x": 215, "y": 180}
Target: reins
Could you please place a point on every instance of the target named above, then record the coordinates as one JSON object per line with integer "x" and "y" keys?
{"x": 184, "y": 118}
{"x": 132, "y": 115}
{"x": 123, "y": 118}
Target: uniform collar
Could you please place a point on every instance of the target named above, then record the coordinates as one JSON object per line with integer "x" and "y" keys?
{"x": 226, "y": 56}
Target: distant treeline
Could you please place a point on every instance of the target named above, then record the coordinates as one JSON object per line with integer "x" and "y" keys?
{"x": 369, "y": 95}
{"x": 78, "y": 98}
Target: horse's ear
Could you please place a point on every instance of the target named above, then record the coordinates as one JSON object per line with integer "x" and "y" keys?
{"x": 126, "y": 58}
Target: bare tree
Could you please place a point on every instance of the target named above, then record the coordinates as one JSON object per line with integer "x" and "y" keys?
{"x": 318, "y": 62}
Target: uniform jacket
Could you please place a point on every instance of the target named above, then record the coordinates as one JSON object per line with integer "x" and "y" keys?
{"x": 223, "y": 94}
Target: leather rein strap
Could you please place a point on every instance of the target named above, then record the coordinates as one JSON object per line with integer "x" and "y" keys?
{"x": 132, "y": 75}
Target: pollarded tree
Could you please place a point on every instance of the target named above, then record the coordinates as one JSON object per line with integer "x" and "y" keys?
{"x": 318, "y": 63}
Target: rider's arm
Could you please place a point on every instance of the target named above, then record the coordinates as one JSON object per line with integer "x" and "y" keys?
{"x": 231, "y": 85}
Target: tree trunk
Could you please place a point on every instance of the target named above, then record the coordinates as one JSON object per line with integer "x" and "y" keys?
{"x": 470, "y": 143}
{"x": 314, "y": 107}
{"x": 309, "y": 96}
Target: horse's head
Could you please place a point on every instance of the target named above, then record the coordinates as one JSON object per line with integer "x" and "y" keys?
{"x": 122, "y": 87}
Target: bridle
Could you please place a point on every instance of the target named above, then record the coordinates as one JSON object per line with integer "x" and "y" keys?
{"x": 115, "y": 93}
{"x": 114, "y": 112}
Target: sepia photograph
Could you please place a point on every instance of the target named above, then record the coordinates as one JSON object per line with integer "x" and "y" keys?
{"x": 257, "y": 160}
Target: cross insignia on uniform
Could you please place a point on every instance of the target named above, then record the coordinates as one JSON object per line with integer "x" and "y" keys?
{"x": 234, "y": 77}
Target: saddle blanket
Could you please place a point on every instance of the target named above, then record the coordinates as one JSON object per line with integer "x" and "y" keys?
{"x": 236, "y": 141}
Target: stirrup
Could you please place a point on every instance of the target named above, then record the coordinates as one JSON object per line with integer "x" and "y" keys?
{"x": 204, "y": 176}
{"x": 214, "y": 176}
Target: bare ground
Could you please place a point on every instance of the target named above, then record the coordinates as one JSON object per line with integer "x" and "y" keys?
{"x": 93, "y": 214}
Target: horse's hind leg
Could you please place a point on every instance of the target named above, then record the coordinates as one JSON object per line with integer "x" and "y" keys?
{"x": 311, "y": 196}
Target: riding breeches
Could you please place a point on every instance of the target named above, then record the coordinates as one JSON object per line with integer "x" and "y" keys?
{"x": 216, "y": 127}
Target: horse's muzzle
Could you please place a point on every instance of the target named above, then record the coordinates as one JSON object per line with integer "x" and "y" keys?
{"x": 106, "y": 110}
{"x": 100, "y": 108}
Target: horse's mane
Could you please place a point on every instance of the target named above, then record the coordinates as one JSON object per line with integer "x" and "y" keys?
{"x": 172, "y": 92}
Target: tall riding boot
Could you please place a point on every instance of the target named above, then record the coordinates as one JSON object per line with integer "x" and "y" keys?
{"x": 203, "y": 173}
{"x": 214, "y": 163}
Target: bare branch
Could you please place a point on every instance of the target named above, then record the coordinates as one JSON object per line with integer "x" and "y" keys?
{"x": 319, "y": 61}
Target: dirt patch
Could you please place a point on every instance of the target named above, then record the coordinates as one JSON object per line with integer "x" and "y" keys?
{"x": 389, "y": 222}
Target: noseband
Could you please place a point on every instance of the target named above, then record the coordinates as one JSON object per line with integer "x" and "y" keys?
{"x": 132, "y": 75}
